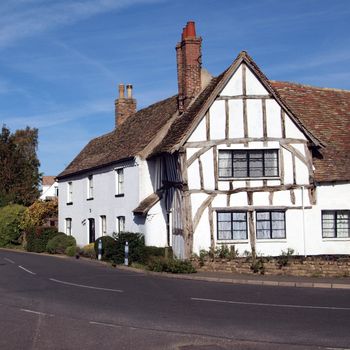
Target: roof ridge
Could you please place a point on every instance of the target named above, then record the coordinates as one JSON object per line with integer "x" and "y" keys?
{"x": 308, "y": 86}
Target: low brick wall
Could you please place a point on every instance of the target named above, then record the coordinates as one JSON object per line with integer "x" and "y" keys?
{"x": 315, "y": 266}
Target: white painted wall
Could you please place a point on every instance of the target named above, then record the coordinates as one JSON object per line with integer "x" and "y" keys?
{"x": 104, "y": 202}
{"x": 49, "y": 192}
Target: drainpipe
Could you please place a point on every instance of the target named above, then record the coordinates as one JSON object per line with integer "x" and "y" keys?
{"x": 303, "y": 210}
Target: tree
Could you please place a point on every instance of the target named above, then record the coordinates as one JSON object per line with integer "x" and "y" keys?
{"x": 19, "y": 166}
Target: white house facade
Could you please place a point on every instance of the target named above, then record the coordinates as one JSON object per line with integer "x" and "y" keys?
{"x": 237, "y": 160}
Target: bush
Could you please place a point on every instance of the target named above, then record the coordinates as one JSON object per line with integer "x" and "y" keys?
{"x": 160, "y": 264}
{"x": 10, "y": 219}
{"x": 88, "y": 251}
{"x": 109, "y": 247}
{"x": 38, "y": 237}
{"x": 136, "y": 243}
{"x": 72, "y": 250}
{"x": 59, "y": 243}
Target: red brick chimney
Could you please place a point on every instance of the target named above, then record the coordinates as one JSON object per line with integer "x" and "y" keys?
{"x": 189, "y": 64}
{"x": 124, "y": 106}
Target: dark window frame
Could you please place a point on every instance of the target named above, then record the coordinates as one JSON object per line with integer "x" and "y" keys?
{"x": 335, "y": 221}
{"x": 271, "y": 224}
{"x": 248, "y": 163}
{"x": 232, "y": 226}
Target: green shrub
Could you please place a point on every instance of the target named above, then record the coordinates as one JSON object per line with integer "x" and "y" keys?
{"x": 284, "y": 258}
{"x": 10, "y": 219}
{"x": 88, "y": 251}
{"x": 109, "y": 247}
{"x": 38, "y": 237}
{"x": 59, "y": 244}
{"x": 161, "y": 264}
{"x": 72, "y": 250}
{"x": 136, "y": 243}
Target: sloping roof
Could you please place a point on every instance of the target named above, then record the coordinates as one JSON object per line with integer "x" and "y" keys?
{"x": 146, "y": 204}
{"x": 48, "y": 180}
{"x": 126, "y": 141}
{"x": 322, "y": 114}
{"x": 326, "y": 112}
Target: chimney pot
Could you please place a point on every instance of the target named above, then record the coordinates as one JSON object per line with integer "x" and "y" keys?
{"x": 121, "y": 90}
{"x": 190, "y": 30}
{"x": 129, "y": 90}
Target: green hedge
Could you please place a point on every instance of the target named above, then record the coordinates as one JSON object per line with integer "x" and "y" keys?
{"x": 59, "y": 244}
{"x": 136, "y": 243}
{"x": 109, "y": 247}
{"x": 38, "y": 237}
{"x": 10, "y": 219}
{"x": 161, "y": 264}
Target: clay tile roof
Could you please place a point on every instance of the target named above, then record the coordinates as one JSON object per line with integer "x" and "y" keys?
{"x": 326, "y": 113}
{"x": 126, "y": 141}
{"x": 48, "y": 180}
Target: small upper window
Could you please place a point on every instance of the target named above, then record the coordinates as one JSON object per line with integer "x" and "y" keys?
{"x": 70, "y": 192}
{"x": 336, "y": 223}
{"x": 270, "y": 225}
{"x": 119, "y": 181}
{"x": 248, "y": 163}
{"x": 90, "y": 187}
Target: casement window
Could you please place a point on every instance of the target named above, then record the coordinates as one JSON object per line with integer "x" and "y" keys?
{"x": 270, "y": 225}
{"x": 120, "y": 224}
{"x": 70, "y": 192}
{"x": 103, "y": 220}
{"x": 232, "y": 226}
{"x": 68, "y": 226}
{"x": 90, "y": 187}
{"x": 248, "y": 163}
{"x": 335, "y": 223}
{"x": 119, "y": 177}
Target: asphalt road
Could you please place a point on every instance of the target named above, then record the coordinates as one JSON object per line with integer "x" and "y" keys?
{"x": 61, "y": 303}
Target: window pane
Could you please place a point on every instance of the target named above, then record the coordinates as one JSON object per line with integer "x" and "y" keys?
{"x": 328, "y": 224}
{"x": 342, "y": 224}
{"x": 260, "y": 215}
{"x": 256, "y": 164}
{"x": 225, "y": 164}
{"x": 224, "y": 216}
{"x": 240, "y": 165}
{"x": 271, "y": 163}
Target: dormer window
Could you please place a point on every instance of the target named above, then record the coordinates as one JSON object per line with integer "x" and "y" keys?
{"x": 238, "y": 164}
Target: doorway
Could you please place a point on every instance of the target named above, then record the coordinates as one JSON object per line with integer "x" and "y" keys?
{"x": 91, "y": 230}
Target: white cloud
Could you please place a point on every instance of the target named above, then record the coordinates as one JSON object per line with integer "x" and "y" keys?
{"x": 21, "y": 21}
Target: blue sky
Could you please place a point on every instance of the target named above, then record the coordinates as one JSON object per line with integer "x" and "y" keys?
{"x": 61, "y": 60}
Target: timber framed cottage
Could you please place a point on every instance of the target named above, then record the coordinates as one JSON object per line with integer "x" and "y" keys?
{"x": 235, "y": 159}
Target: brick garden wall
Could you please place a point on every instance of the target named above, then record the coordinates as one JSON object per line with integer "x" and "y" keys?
{"x": 323, "y": 266}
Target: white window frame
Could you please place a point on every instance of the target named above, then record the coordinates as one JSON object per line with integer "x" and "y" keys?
{"x": 120, "y": 224}
{"x": 119, "y": 182}
{"x": 90, "y": 187}
{"x": 69, "y": 192}
{"x": 103, "y": 220}
{"x": 68, "y": 228}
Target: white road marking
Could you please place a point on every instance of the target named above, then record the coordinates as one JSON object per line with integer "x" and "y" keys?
{"x": 23, "y": 268}
{"x": 85, "y": 286}
{"x": 273, "y": 305}
{"x": 36, "y": 312}
{"x": 105, "y": 324}
{"x": 9, "y": 260}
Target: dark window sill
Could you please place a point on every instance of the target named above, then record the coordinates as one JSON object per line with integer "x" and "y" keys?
{"x": 119, "y": 195}
{"x": 90, "y": 199}
{"x": 69, "y": 203}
